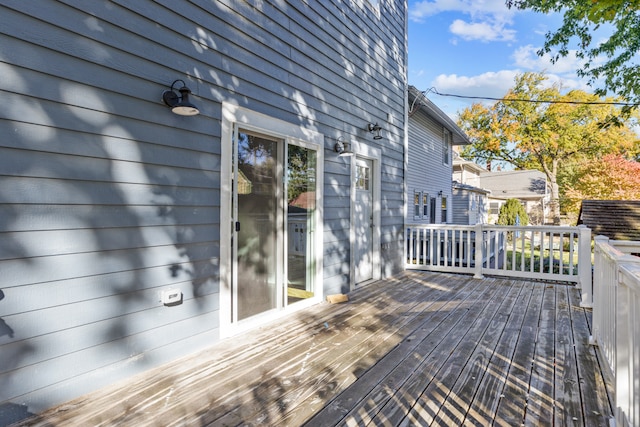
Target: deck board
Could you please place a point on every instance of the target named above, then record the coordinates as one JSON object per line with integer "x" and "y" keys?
{"x": 415, "y": 349}
{"x": 465, "y": 339}
{"x": 464, "y": 391}
{"x": 483, "y": 407}
{"x": 540, "y": 396}
{"x": 511, "y": 408}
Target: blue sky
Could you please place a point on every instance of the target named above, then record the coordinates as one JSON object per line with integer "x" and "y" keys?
{"x": 476, "y": 47}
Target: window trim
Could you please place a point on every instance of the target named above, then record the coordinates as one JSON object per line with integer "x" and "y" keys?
{"x": 417, "y": 207}
{"x": 446, "y": 146}
{"x": 444, "y": 209}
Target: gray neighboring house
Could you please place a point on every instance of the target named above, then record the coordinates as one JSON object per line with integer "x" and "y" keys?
{"x": 493, "y": 188}
{"x": 132, "y": 236}
{"x": 432, "y": 135}
{"x": 528, "y": 186}
{"x": 470, "y": 202}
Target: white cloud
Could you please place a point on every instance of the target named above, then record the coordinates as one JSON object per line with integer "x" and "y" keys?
{"x": 489, "y": 19}
{"x": 490, "y": 84}
{"x": 526, "y": 57}
{"x": 494, "y": 85}
{"x": 474, "y": 8}
{"x": 483, "y": 31}
{"x": 562, "y": 72}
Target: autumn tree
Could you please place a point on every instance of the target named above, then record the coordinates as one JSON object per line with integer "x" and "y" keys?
{"x": 612, "y": 177}
{"x": 535, "y": 126}
{"x": 610, "y": 59}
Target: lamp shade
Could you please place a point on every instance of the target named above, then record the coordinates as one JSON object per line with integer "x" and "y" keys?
{"x": 180, "y": 104}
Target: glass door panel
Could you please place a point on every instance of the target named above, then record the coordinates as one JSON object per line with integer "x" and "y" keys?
{"x": 257, "y": 225}
{"x": 301, "y": 208}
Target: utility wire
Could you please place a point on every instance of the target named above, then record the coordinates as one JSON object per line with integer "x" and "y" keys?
{"x": 537, "y": 101}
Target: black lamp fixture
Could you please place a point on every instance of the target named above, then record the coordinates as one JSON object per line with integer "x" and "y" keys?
{"x": 180, "y": 104}
{"x": 375, "y": 130}
{"x": 342, "y": 148}
{"x": 440, "y": 193}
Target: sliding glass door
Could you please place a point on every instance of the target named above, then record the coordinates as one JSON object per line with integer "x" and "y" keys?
{"x": 274, "y": 224}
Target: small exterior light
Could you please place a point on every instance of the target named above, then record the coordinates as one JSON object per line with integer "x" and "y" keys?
{"x": 342, "y": 148}
{"x": 375, "y": 130}
{"x": 180, "y": 104}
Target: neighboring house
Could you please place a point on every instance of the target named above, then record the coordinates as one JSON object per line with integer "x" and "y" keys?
{"x": 470, "y": 204}
{"x": 432, "y": 134}
{"x": 466, "y": 172}
{"x": 615, "y": 219}
{"x": 528, "y": 186}
{"x": 132, "y": 236}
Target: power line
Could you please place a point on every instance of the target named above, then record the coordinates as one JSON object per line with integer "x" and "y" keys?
{"x": 535, "y": 101}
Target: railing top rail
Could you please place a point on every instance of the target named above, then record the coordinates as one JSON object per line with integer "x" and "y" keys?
{"x": 554, "y": 228}
{"x": 493, "y": 227}
{"x": 442, "y": 226}
{"x": 626, "y": 244}
{"x": 607, "y": 249}
{"x": 630, "y": 276}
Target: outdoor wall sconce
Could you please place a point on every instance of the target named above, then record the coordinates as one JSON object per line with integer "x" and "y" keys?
{"x": 375, "y": 130}
{"x": 440, "y": 193}
{"x": 342, "y": 148}
{"x": 180, "y": 104}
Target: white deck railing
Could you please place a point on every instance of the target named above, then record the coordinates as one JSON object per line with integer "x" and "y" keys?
{"x": 542, "y": 253}
{"x": 616, "y": 321}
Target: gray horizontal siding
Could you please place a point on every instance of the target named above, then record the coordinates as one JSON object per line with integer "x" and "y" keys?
{"x": 106, "y": 198}
{"x": 426, "y": 171}
{"x": 104, "y": 206}
{"x": 460, "y": 207}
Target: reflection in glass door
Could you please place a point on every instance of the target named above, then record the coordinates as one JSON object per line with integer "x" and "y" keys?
{"x": 274, "y": 240}
{"x": 301, "y": 209}
{"x": 256, "y": 225}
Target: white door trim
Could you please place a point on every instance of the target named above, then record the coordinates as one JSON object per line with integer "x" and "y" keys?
{"x": 232, "y": 116}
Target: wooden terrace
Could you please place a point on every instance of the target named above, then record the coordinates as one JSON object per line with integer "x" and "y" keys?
{"x": 420, "y": 348}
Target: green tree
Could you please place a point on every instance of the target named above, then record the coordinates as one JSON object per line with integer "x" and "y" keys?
{"x": 536, "y": 126}
{"x": 512, "y": 213}
{"x": 609, "y": 59}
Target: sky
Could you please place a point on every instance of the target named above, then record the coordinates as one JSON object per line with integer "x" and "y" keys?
{"x": 476, "y": 48}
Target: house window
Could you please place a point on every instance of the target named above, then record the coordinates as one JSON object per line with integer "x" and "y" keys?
{"x": 362, "y": 178}
{"x": 494, "y": 208}
{"x": 425, "y": 205}
{"x": 443, "y": 218}
{"x": 446, "y": 145}
{"x": 416, "y": 205}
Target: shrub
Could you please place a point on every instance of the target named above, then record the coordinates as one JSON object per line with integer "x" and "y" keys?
{"x": 510, "y": 211}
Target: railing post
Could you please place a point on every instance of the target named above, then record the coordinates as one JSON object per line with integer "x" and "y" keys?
{"x": 478, "y": 252}
{"x": 626, "y": 341}
{"x": 585, "y": 275}
{"x": 598, "y": 288}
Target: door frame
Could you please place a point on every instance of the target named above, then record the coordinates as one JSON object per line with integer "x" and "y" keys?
{"x": 374, "y": 155}
{"x": 234, "y": 117}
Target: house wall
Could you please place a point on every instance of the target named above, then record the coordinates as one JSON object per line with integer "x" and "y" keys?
{"x": 469, "y": 207}
{"x": 426, "y": 171}
{"x": 108, "y": 198}
{"x": 466, "y": 175}
{"x": 461, "y": 207}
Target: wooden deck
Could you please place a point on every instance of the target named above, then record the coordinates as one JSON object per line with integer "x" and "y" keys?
{"x": 417, "y": 349}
